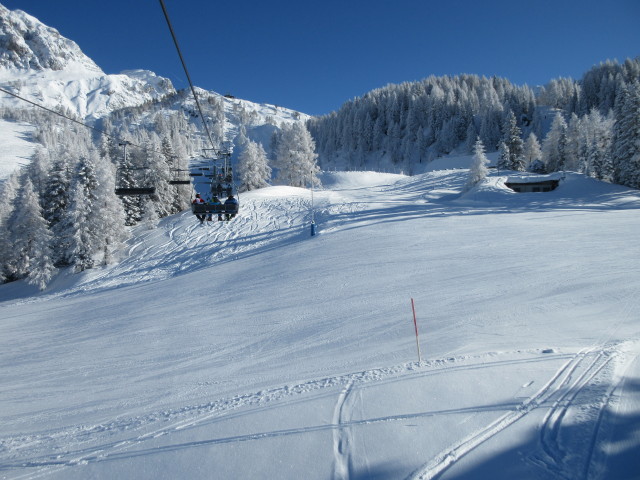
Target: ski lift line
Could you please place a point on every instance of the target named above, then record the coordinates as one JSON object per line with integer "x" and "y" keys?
{"x": 186, "y": 71}
{"x": 56, "y": 113}
{"x": 101, "y": 132}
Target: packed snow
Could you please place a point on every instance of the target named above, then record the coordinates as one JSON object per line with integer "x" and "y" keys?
{"x": 251, "y": 349}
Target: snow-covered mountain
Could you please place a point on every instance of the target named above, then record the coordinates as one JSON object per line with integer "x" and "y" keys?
{"x": 26, "y": 43}
{"x": 38, "y": 63}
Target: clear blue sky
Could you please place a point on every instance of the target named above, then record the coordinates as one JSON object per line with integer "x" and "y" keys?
{"x": 314, "y": 56}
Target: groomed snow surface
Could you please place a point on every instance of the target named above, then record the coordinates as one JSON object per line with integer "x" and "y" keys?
{"x": 250, "y": 349}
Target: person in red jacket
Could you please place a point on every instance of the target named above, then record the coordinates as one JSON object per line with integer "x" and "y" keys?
{"x": 196, "y": 201}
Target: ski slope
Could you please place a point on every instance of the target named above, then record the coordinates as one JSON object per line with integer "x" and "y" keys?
{"x": 250, "y": 349}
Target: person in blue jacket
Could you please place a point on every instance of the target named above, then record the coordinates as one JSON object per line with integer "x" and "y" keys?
{"x": 230, "y": 202}
{"x": 215, "y": 202}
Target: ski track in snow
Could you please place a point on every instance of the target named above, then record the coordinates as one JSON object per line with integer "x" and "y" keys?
{"x": 555, "y": 456}
{"x": 559, "y": 395}
{"x": 190, "y": 416}
{"x": 258, "y": 226}
{"x": 577, "y": 375}
{"x": 49, "y": 452}
{"x": 341, "y": 435}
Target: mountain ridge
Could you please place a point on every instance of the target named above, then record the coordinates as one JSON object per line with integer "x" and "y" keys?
{"x": 40, "y": 64}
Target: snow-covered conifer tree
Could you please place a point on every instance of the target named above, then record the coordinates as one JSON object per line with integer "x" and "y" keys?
{"x": 600, "y": 155}
{"x": 110, "y": 216}
{"x": 478, "y": 170}
{"x": 8, "y": 193}
{"x": 242, "y": 138}
{"x": 554, "y": 144}
{"x": 150, "y": 217}
{"x": 39, "y": 170}
{"x": 504, "y": 160}
{"x": 471, "y": 137}
{"x": 490, "y": 129}
{"x": 158, "y": 168}
{"x": 129, "y": 176}
{"x": 56, "y": 192}
{"x": 593, "y": 145}
{"x": 532, "y": 150}
{"x": 512, "y": 138}
{"x": 572, "y": 146}
{"x": 626, "y": 137}
{"x": 83, "y": 216}
{"x": 253, "y": 167}
{"x": 178, "y": 198}
{"x": 30, "y": 240}
{"x": 296, "y": 157}
{"x": 55, "y": 201}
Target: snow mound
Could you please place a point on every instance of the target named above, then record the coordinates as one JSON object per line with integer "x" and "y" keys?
{"x": 338, "y": 180}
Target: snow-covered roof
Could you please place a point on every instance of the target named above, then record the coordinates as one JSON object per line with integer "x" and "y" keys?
{"x": 528, "y": 178}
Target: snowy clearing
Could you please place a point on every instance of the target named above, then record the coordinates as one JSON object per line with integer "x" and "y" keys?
{"x": 250, "y": 349}
{"x": 16, "y": 146}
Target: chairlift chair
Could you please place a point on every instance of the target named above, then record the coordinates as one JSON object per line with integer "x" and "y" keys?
{"x": 220, "y": 181}
{"x": 134, "y": 181}
{"x": 180, "y": 177}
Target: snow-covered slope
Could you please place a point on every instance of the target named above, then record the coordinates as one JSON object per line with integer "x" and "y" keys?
{"x": 250, "y": 349}
{"x": 16, "y": 146}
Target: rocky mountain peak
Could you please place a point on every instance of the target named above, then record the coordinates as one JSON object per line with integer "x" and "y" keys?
{"x": 28, "y": 44}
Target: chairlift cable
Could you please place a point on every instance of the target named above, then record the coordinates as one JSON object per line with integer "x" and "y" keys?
{"x": 193, "y": 90}
{"x": 186, "y": 71}
{"x": 58, "y": 113}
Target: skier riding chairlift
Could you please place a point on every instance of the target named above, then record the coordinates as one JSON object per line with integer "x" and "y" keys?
{"x": 198, "y": 201}
{"x": 230, "y": 204}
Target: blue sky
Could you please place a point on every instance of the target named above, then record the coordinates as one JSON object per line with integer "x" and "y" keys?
{"x": 314, "y": 56}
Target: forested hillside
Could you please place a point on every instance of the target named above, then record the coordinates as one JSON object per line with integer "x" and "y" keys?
{"x": 586, "y": 125}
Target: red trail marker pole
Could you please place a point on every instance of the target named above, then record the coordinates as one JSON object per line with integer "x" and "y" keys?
{"x": 415, "y": 324}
